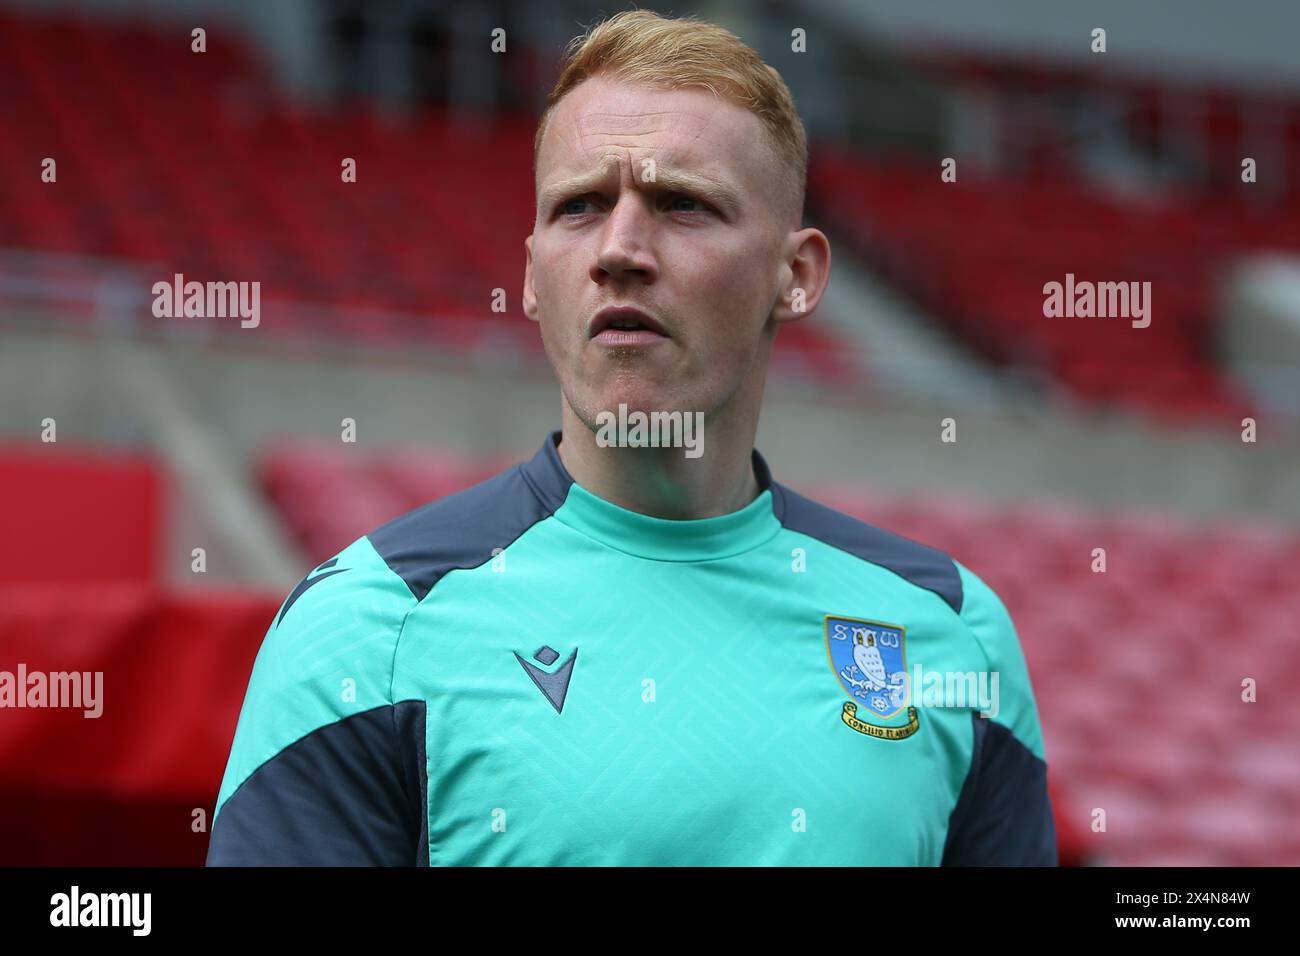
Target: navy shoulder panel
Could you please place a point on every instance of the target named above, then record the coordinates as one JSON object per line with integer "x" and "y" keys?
{"x": 916, "y": 563}
{"x": 352, "y": 793}
{"x": 1003, "y": 815}
{"x": 461, "y": 530}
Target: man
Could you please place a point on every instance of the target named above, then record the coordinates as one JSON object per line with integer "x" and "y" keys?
{"x": 624, "y": 654}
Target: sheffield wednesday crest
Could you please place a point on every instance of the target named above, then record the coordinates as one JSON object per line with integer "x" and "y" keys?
{"x": 869, "y": 659}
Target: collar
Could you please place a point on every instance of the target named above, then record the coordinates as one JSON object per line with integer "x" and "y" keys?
{"x": 661, "y": 539}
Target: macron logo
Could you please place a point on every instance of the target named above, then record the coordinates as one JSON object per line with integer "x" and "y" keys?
{"x": 554, "y": 686}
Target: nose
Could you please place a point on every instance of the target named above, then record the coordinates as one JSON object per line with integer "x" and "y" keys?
{"x": 625, "y": 243}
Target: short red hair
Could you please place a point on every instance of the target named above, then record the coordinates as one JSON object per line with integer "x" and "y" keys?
{"x": 639, "y": 46}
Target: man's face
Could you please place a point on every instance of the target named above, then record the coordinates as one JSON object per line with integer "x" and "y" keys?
{"x": 663, "y": 201}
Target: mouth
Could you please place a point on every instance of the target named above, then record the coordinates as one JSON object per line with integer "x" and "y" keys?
{"x": 625, "y": 326}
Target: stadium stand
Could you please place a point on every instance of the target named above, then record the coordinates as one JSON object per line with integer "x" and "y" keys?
{"x": 920, "y": 232}
{"x": 410, "y": 248}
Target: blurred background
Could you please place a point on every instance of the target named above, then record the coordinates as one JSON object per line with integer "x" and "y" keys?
{"x": 197, "y": 470}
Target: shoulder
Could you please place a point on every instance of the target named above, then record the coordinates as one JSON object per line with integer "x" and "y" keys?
{"x": 918, "y": 564}
{"x": 326, "y": 657}
{"x": 384, "y": 573}
{"x": 982, "y": 610}
{"x": 461, "y": 530}
{"x": 991, "y": 627}
{"x": 374, "y": 581}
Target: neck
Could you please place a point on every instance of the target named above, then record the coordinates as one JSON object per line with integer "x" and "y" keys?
{"x": 664, "y": 482}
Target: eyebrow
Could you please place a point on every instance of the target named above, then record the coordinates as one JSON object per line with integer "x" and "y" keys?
{"x": 673, "y": 180}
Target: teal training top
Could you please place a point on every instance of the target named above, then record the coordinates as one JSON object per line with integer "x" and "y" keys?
{"x": 524, "y": 673}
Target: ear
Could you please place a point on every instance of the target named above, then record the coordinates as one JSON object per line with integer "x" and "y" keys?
{"x": 806, "y": 270}
{"x": 530, "y": 294}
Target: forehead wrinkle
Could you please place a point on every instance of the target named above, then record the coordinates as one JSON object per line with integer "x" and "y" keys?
{"x": 602, "y": 123}
{"x": 675, "y": 157}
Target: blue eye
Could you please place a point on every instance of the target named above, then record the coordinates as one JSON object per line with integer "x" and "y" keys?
{"x": 564, "y": 206}
{"x": 680, "y": 197}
